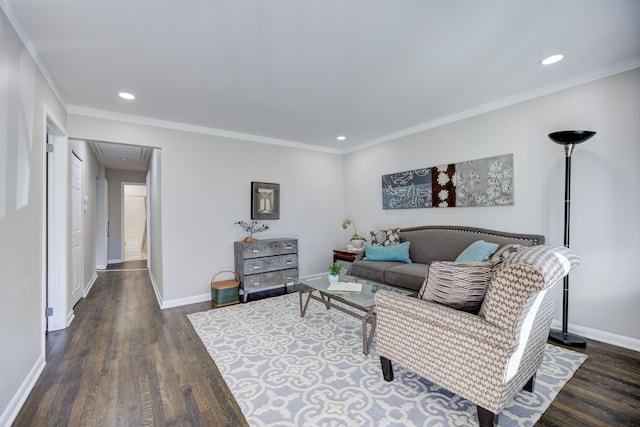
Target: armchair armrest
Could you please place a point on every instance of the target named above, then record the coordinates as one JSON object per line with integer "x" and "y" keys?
{"x": 459, "y": 323}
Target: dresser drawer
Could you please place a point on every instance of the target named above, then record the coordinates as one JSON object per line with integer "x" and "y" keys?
{"x": 271, "y": 278}
{"x": 271, "y": 263}
{"x": 266, "y": 248}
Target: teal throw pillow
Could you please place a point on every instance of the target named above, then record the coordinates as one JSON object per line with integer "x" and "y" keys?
{"x": 477, "y": 251}
{"x": 387, "y": 253}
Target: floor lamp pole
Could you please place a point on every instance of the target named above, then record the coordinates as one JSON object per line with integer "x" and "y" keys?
{"x": 568, "y": 139}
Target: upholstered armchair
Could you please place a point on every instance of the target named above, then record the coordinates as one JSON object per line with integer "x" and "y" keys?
{"x": 486, "y": 357}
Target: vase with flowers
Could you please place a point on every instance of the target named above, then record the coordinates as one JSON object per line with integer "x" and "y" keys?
{"x": 357, "y": 241}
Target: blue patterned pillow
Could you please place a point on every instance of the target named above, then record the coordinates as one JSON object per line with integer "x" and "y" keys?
{"x": 387, "y": 253}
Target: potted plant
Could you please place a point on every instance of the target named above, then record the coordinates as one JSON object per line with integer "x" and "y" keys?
{"x": 334, "y": 271}
{"x": 357, "y": 241}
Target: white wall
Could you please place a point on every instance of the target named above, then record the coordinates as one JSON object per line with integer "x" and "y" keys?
{"x": 101, "y": 207}
{"x": 23, "y": 91}
{"x": 206, "y": 183}
{"x": 605, "y": 231}
{"x": 154, "y": 188}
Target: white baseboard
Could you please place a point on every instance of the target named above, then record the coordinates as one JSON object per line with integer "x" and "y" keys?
{"x": 115, "y": 261}
{"x": 154, "y": 285}
{"x": 70, "y": 316}
{"x": 13, "y": 408}
{"x": 101, "y": 267}
{"x": 602, "y": 336}
{"x": 89, "y": 285}
{"x": 185, "y": 301}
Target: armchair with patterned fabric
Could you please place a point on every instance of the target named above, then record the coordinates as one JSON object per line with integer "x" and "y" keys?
{"x": 486, "y": 357}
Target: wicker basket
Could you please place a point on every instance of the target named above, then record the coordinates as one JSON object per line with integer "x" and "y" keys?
{"x": 225, "y": 292}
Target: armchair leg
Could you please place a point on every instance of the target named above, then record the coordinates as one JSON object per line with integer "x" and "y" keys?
{"x": 387, "y": 369}
{"x": 486, "y": 418}
{"x": 530, "y": 384}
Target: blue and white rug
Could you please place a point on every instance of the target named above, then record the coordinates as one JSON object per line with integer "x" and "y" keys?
{"x": 285, "y": 370}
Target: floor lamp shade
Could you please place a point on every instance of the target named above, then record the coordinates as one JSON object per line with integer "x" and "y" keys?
{"x": 568, "y": 139}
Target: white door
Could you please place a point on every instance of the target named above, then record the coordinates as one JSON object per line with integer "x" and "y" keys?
{"x": 77, "y": 210}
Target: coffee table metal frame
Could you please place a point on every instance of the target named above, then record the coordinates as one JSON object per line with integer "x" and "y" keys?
{"x": 366, "y": 310}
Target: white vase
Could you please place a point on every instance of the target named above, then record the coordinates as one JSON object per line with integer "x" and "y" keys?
{"x": 358, "y": 244}
{"x": 334, "y": 278}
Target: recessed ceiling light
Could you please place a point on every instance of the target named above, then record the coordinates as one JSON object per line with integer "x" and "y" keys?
{"x": 552, "y": 59}
{"x": 126, "y": 95}
{"x": 341, "y": 138}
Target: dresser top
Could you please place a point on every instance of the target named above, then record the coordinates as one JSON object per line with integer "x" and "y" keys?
{"x": 268, "y": 240}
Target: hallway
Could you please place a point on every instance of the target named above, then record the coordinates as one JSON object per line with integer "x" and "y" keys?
{"x": 125, "y": 362}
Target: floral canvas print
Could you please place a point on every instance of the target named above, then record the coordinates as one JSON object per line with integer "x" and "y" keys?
{"x": 482, "y": 182}
{"x": 485, "y": 182}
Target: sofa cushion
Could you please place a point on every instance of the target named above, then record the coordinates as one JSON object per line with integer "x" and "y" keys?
{"x": 372, "y": 270}
{"x": 410, "y": 276}
{"x": 385, "y": 237}
{"x": 458, "y": 285}
{"x": 477, "y": 251}
{"x": 387, "y": 253}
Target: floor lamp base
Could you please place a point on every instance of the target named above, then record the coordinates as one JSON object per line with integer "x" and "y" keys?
{"x": 570, "y": 340}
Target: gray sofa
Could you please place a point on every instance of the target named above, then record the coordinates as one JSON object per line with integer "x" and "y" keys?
{"x": 428, "y": 244}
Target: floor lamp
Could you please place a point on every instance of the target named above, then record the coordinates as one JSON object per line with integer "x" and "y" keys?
{"x": 568, "y": 139}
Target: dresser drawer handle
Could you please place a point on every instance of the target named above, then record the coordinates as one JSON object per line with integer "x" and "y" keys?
{"x": 255, "y": 267}
{"x": 255, "y": 251}
{"x": 256, "y": 283}
{"x": 289, "y": 276}
{"x": 289, "y": 262}
{"x": 288, "y": 247}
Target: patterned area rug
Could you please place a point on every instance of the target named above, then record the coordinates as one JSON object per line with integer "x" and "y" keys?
{"x": 285, "y": 370}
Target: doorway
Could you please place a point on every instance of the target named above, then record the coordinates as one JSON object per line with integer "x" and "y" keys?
{"x": 134, "y": 222}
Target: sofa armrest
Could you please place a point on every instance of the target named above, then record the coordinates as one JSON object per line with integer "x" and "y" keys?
{"x": 467, "y": 326}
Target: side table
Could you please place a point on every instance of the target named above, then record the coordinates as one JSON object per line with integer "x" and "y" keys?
{"x": 344, "y": 255}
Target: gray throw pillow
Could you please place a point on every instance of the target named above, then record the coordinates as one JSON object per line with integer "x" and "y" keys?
{"x": 385, "y": 237}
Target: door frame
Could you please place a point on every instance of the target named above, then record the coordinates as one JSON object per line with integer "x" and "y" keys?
{"x": 102, "y": 221}
{"x": 55, "y": 225}
{"x": 122, "y": 214}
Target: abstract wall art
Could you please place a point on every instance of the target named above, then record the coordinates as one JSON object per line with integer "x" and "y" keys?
{"x": 407, "y": 190}
{"x": 481, "y": 182}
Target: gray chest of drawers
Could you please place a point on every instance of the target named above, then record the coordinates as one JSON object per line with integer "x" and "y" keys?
{"x": 265, "y": 263}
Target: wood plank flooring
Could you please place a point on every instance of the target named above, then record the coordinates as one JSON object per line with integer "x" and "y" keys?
{"x": 125, "y": 362}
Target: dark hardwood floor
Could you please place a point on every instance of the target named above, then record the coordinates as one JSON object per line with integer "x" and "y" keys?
{"x": 125, "y": 362}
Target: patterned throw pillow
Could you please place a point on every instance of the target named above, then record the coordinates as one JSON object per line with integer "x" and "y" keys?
{"x": 458, "y": 285}
{"x": 506, "y": 251}
{"x": 385, "y": 237}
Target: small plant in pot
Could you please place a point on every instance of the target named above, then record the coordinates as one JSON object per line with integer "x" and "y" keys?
{"x": 334, "y": 271}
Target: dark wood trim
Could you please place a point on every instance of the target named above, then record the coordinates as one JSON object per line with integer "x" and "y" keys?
{"x": 486, "y": 418}
{"x": 387, "y": 369}
{"x": 529, "y": 386}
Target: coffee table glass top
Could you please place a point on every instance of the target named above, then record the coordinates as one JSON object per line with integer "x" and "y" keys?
{"x": 363, "y": 299}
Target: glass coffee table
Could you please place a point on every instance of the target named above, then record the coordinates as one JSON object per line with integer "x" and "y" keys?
{"x": 360, "y": 304}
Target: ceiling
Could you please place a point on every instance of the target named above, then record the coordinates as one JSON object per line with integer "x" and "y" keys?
{"x": 302, "y": 72}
